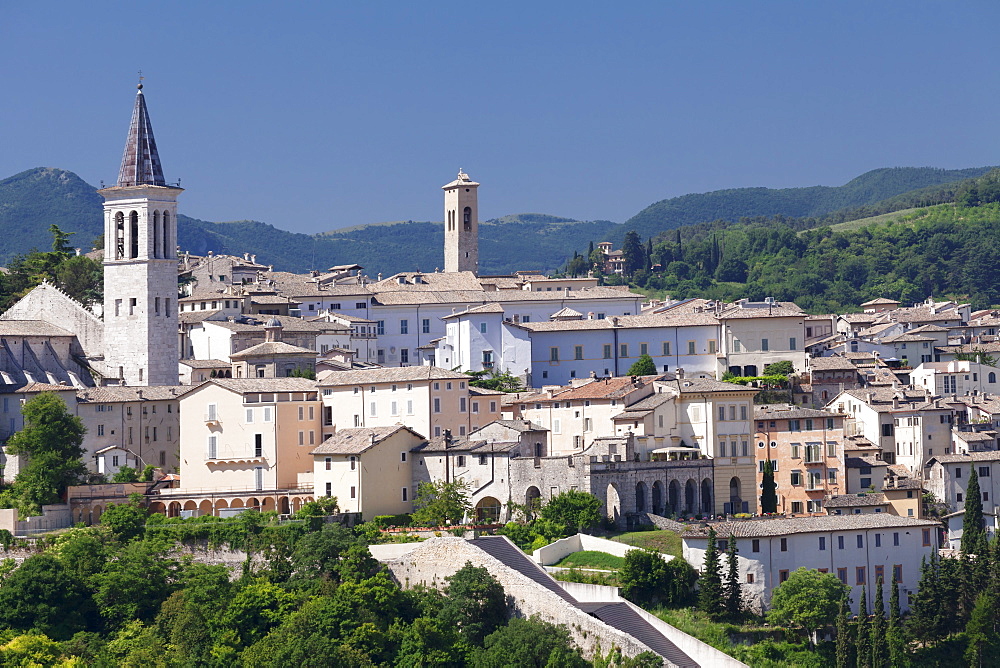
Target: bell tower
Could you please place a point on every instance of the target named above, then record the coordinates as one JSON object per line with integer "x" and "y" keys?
{"x": 140, "y": 264}
{"x": 461, "y": 224}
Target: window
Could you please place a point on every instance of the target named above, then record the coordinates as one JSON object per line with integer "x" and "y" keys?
{"x": 461, "y": 461}
{"x": 926, "y": 537}
{"x": 482, "y": 328}
{"x": 380, "y": 327}
{"x": 578, "y": 352}
{"x": 213, "y": 442}
{"x": 722, "y": 413}
{"x": 711, "y": 347}
{"x": 404, "y": 493}
{"x": 425, "y": 326}
{"x": 791, "y": 343}
{"x": 437, "y": 404}
{"x": 643, "y": 349}
{"x": 354, "y": 492}
{"x": 840, "y": 542}
{"x": 859, "y": 575}
{"x": 743, "y": 412}
{"x": 371, "y": 409}
{"x": 958, "y": 473}
{"x": 404, "y": 327}
{"x": 258, "y": 445}
{"x": 984, "y": 471}
{"x": 461, "y": 404}
{"x": 354, "y": 462}
{"x": 842, "y": 575}
{"x": 861, "y": 540}
{"x": 897, "y": 572}
{"x": 749, "y": 578}
{"x": 755, "y": 545}
{"x": 764, "y": 345}
{"x": 831, "y": 476}
{"x": 607, "y": 351}
{"x": 666, "y": 347}
{"x": 553, "y": 354}
{"x": 782, "y": 576}
{"x": 475, "y": 406}
{"x": 822, "y": 542}
{"x": 796, "y": 478}
{"x": 878, "y": 540}
{"x": 794, "y": 425}
{"x": 879, "y": 572}
{"x": 796, "y": 447}
{"x": 623, "y": 350}
{"x": 784, "y": 545}
{"x": 736, "y": 345}
{"x": 329, "y": 489}
{"x": 796, "y": 507}
{"x": 691, "y": 348}
{"x": 328, "y": 465}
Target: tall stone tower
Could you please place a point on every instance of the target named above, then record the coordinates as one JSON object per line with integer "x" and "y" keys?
{"x": 461, "y": 224}
{"x": 140, "y": 264}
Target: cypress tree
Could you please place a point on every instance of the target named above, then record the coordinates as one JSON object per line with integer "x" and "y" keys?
{"x": 733, "y": 590}
{"x": 769, "y": 495}
{"x": 680, "y": 249}
{"x": 897, "y": 646}
{"x": 649, "y": 253}
{"x": 973, "y": 531}
{"x": 864, "y": 645}
{"x": 926, "y": 607}
{"x": 880, "y": 646}
{"x": 845, "y": 644}
{"x": 710, "y": 582}
{"x": 590, "y": 250}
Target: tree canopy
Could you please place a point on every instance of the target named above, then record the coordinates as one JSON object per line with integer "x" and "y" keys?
{"x": 808, "y": 599}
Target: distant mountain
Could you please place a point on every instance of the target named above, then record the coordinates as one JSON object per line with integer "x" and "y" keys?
{"x": 33, "y": 200}
{"x": 733, "y": 204}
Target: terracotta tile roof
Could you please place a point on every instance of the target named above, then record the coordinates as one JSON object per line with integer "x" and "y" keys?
{"x": 119, "y": 393}
{"x": 399, "y": 374}
{"x": 832, "y": 363}
{"x": 880, "y": 301}
{"x": 602, "y": 388}
{"x": 42, "y": 387}
{"x": 786, "y": 412}
{"x": 761, "y": 310}
{"x": 855, "y": 500}
{"x": 859, "y": 317}
{"x": 264, "y": 385}
{"x": 272, "y": 348}
{"x": 483, "y": 308}
{"x": 31, "y": 328}
{"x": 864, "y": 462}
{"x": 782, "y": 526}
{"x": 357, "y": 440}
{"x": 207, "y": 364}
{"x": 623, "y": 322}
{"x": 989, "y": 456}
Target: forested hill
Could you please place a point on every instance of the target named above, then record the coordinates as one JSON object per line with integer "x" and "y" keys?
{"x": 733, "y": 204}
{"x": 34, "y": 199}
{"x": 948, "y": 250}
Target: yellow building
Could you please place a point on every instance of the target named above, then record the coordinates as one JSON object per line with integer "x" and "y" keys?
{"x": 367, "y": 469}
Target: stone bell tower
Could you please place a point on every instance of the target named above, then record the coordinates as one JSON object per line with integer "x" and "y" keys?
{"x": 461, "y": 224}
{"x": 140, "y": 264}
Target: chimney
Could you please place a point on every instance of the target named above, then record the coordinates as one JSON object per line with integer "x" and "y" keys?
{"x": 77, "y": 251}
{"x": 679, "y": 372}
{"x": 447, "y": 438}
{"x": 246, "y": 256}
{"x": 253, "y": 258}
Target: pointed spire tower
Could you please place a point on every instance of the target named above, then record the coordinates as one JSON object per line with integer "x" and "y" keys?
{"x": 140, "y": 264}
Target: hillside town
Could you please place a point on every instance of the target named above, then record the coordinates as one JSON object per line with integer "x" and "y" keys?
{"x": 847, "y": 444}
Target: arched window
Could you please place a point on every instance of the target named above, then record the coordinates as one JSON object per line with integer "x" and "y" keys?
{"x": 156, "y": 234}
{"x": 119, "y": 236}
{"x": 467, "y": 219}
{"x": 134, "y": 235}
{"x": 992, "y": 377}
{"x": 168, "y": 246}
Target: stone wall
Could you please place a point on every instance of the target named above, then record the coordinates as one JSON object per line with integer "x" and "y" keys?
{"x": 47, "y": 302}
{"x": 432, "y": 561}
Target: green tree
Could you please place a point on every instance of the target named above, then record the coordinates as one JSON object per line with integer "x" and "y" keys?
{"x": 125, "y": 474}
{"x": 45, "y": 597}
{"x": 126, "y": 521}
{"x": 769, "y": 495}
{"x": 880, "y": 648}
{"x": 441, "y": 502}
{"x": 845, "y": 644}
{"x": 864, "y": 644}
{"x": 897, "y": 643}
{"x": 317, "y": 554}
{"x": 475, "y": 603}
{"x": 710, "y": 594}
{"x": 33, "y": 650}
{"x": 973, "y": 527}
{"x": 783, "y": 368}
{"x": 492, "y": 379}
{"x": 526, "y": 643}
{"x": 428, "y": 642}
{"x": 983, "y": 647}
{"x": 733, "y": 589}
{"x": 256, "y": 609}
{"x": 808, "y": 599}
{"x": 643, "y": 576}
{"x": 135, "y": 584}
{"x": 644, "y": 366}
{"x": 632, "y": 253}
{"x": 572, "y": 511}
{"x": 81, "y": 278}
{"x": 51, "y": 441}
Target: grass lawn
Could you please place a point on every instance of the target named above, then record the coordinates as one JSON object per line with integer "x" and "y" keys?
{"x": 591, "y": 559}
{"x": 663, "y": 540}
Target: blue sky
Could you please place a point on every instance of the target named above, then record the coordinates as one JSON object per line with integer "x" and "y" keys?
{"x": 312, "y": 116}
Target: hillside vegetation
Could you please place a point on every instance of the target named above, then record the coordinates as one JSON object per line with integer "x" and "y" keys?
{"x": 733, "y": 204}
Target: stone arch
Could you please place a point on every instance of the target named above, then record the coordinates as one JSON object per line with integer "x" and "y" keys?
{"x": 690, "y": 496}
{"x": 236, "y": 503}
{"x": 532, "y": 500}
{"x": 614, "y": 508}
{"x": 488, "y": 510}
{"x": 133, "y": 242}
{"x": 205, "y": 508}
{"x": 284, "y": 507}
{"x": 467, "y": 219}
{"x": 156, "y": 234}
{"x": 736, "y": 494}
{"x": 190, "y": 505}
{"x": 640, "y": 497}
{"x": 657, "y": 498}
{"x": 674, "y": 497}
{"x": 174, "y": 509}
{"x": 95, "y": 514}
{"x": 119, "y": 239}
{"x": 254, "y": 503}
{"x": 167, "y": 250}
{"x": 296, "y": 504}
{"x": 268, "y": 504}
{"x": 706, "y": 495}
{"x": 158, "y": 507}
{"x": 221, "y": 504}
